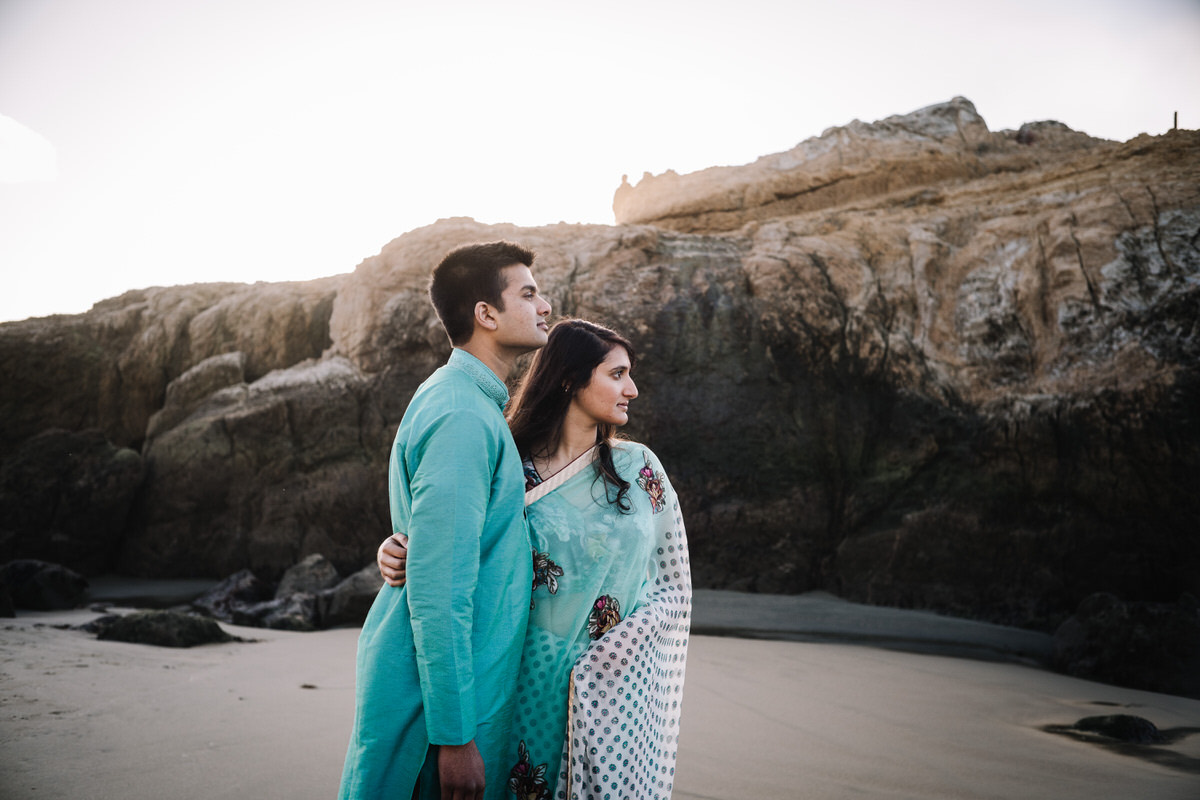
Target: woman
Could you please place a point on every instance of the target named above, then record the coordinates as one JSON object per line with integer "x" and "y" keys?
{"x": 603, "y": 662}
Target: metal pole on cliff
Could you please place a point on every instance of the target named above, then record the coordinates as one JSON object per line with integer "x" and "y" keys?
{"x": 1175, "y": 127}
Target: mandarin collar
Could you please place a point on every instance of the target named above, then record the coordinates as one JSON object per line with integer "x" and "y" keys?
{"x": 491, "y": 385}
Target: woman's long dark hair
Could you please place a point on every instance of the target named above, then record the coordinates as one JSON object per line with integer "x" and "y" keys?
{"x": 564, "y": 366}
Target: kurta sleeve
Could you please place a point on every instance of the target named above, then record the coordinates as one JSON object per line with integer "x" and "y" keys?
{"x": 627, "y": 687}
{"x": 449, "y": 498}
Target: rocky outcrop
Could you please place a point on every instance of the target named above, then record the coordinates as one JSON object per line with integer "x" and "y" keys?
{"x": 260, "y": 475}
{"x": 311, "y": 595}
{"x": 942, "y": 144}
{"x": 109, "y": 368}
{"x": 963, "y": 376}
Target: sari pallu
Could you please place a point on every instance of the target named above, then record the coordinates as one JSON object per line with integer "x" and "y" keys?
{"x": 598, "y": 699}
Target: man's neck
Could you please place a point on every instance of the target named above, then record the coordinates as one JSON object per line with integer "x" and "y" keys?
{"x": 499, "y": 362}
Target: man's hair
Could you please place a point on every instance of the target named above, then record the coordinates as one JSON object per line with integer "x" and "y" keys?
{"x": 467, "y": 275}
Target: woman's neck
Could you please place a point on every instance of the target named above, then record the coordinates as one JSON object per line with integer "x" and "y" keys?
{"x": 575, "y": 438}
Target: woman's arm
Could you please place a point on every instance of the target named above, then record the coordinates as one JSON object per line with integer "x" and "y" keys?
{"x": 391, "y": 557}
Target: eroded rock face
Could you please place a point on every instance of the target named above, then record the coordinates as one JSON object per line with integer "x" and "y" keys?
{"x": 262, "y": 474}
{"x": 972, "y": 387}
{"x": 109, "y": 368}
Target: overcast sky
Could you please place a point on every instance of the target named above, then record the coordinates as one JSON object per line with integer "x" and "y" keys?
{"x": 159, "y": 142}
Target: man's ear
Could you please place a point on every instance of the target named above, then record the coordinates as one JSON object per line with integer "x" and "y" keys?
{"x": 484, "y": 317}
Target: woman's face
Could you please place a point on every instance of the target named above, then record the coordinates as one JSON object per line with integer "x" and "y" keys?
{"x": 606, "y": 397}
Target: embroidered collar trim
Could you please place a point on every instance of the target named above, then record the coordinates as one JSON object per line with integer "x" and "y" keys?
{"x": 492, "y": 386}
{"x": 565, "y": 474}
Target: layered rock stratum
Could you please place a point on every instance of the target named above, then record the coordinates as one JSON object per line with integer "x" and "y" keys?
{"x": 914, "y": 362}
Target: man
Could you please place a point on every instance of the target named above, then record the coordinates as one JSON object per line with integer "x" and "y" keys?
{"x": 437, "y": 660}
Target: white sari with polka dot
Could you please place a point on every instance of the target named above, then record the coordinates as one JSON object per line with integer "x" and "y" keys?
{"x": 601, "y": 680}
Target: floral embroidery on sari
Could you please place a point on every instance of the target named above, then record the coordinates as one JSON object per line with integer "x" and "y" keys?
{"x": 606, "y": 612}
{"x": 545, "y": 573}
{"x": 651, "y": 482}
{"x": 526, "y": 781}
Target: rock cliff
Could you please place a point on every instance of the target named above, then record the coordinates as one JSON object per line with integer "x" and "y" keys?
{"x": 914, "y": 362}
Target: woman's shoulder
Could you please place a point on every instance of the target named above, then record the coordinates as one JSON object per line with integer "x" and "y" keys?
{"x": 629, "y": 446}
{"x": 628, "y": 454}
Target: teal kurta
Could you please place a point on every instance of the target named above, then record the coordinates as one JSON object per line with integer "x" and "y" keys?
{"x": 437, "y": 659}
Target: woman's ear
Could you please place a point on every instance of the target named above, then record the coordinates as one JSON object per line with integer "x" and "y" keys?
{"x": 484, "y": 317}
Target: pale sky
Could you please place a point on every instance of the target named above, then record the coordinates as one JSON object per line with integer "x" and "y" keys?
{"x": 160, "y": 142}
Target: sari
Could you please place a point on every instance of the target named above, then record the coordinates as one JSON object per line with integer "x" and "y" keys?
{"x": 602, "y": 669}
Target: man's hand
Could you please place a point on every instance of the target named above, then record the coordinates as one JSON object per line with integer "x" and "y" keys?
{"x": 460, "y": 770}
{"x": 391, "y": 558}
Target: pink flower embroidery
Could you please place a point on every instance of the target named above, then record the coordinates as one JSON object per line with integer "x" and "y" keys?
{"x": 651, "y": 482}
{"x": 526, "y": 781}
{"x": 606, "y": 612}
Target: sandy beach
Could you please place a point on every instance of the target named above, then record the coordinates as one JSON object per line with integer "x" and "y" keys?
{"x": 827, "y": 700}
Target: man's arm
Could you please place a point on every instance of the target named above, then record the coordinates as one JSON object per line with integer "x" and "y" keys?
{"x": 460, "y": 767}
{"x": 449, "y": 473}
{"x": 460, "y": 771}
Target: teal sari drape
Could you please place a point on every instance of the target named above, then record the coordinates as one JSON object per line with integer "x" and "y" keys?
{"x": 601, "y": 679}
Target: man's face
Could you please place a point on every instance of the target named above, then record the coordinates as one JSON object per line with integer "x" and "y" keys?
{"x": 522, "y": 324}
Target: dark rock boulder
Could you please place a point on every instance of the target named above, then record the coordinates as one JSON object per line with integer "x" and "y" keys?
{"x": 349, "y": 601}
{"x": 294, "y": 612}
{"x": 164, "y": 629}
{"x": 1150, "y": 646}
{"x": 40, "y": 586}
{"x": 1122, "y": 728}
{"x": 312, "y": 575}
{"x": 310, "y": 597}
{"x": 346, "y": 603}
{"x": 238, "y": 591}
